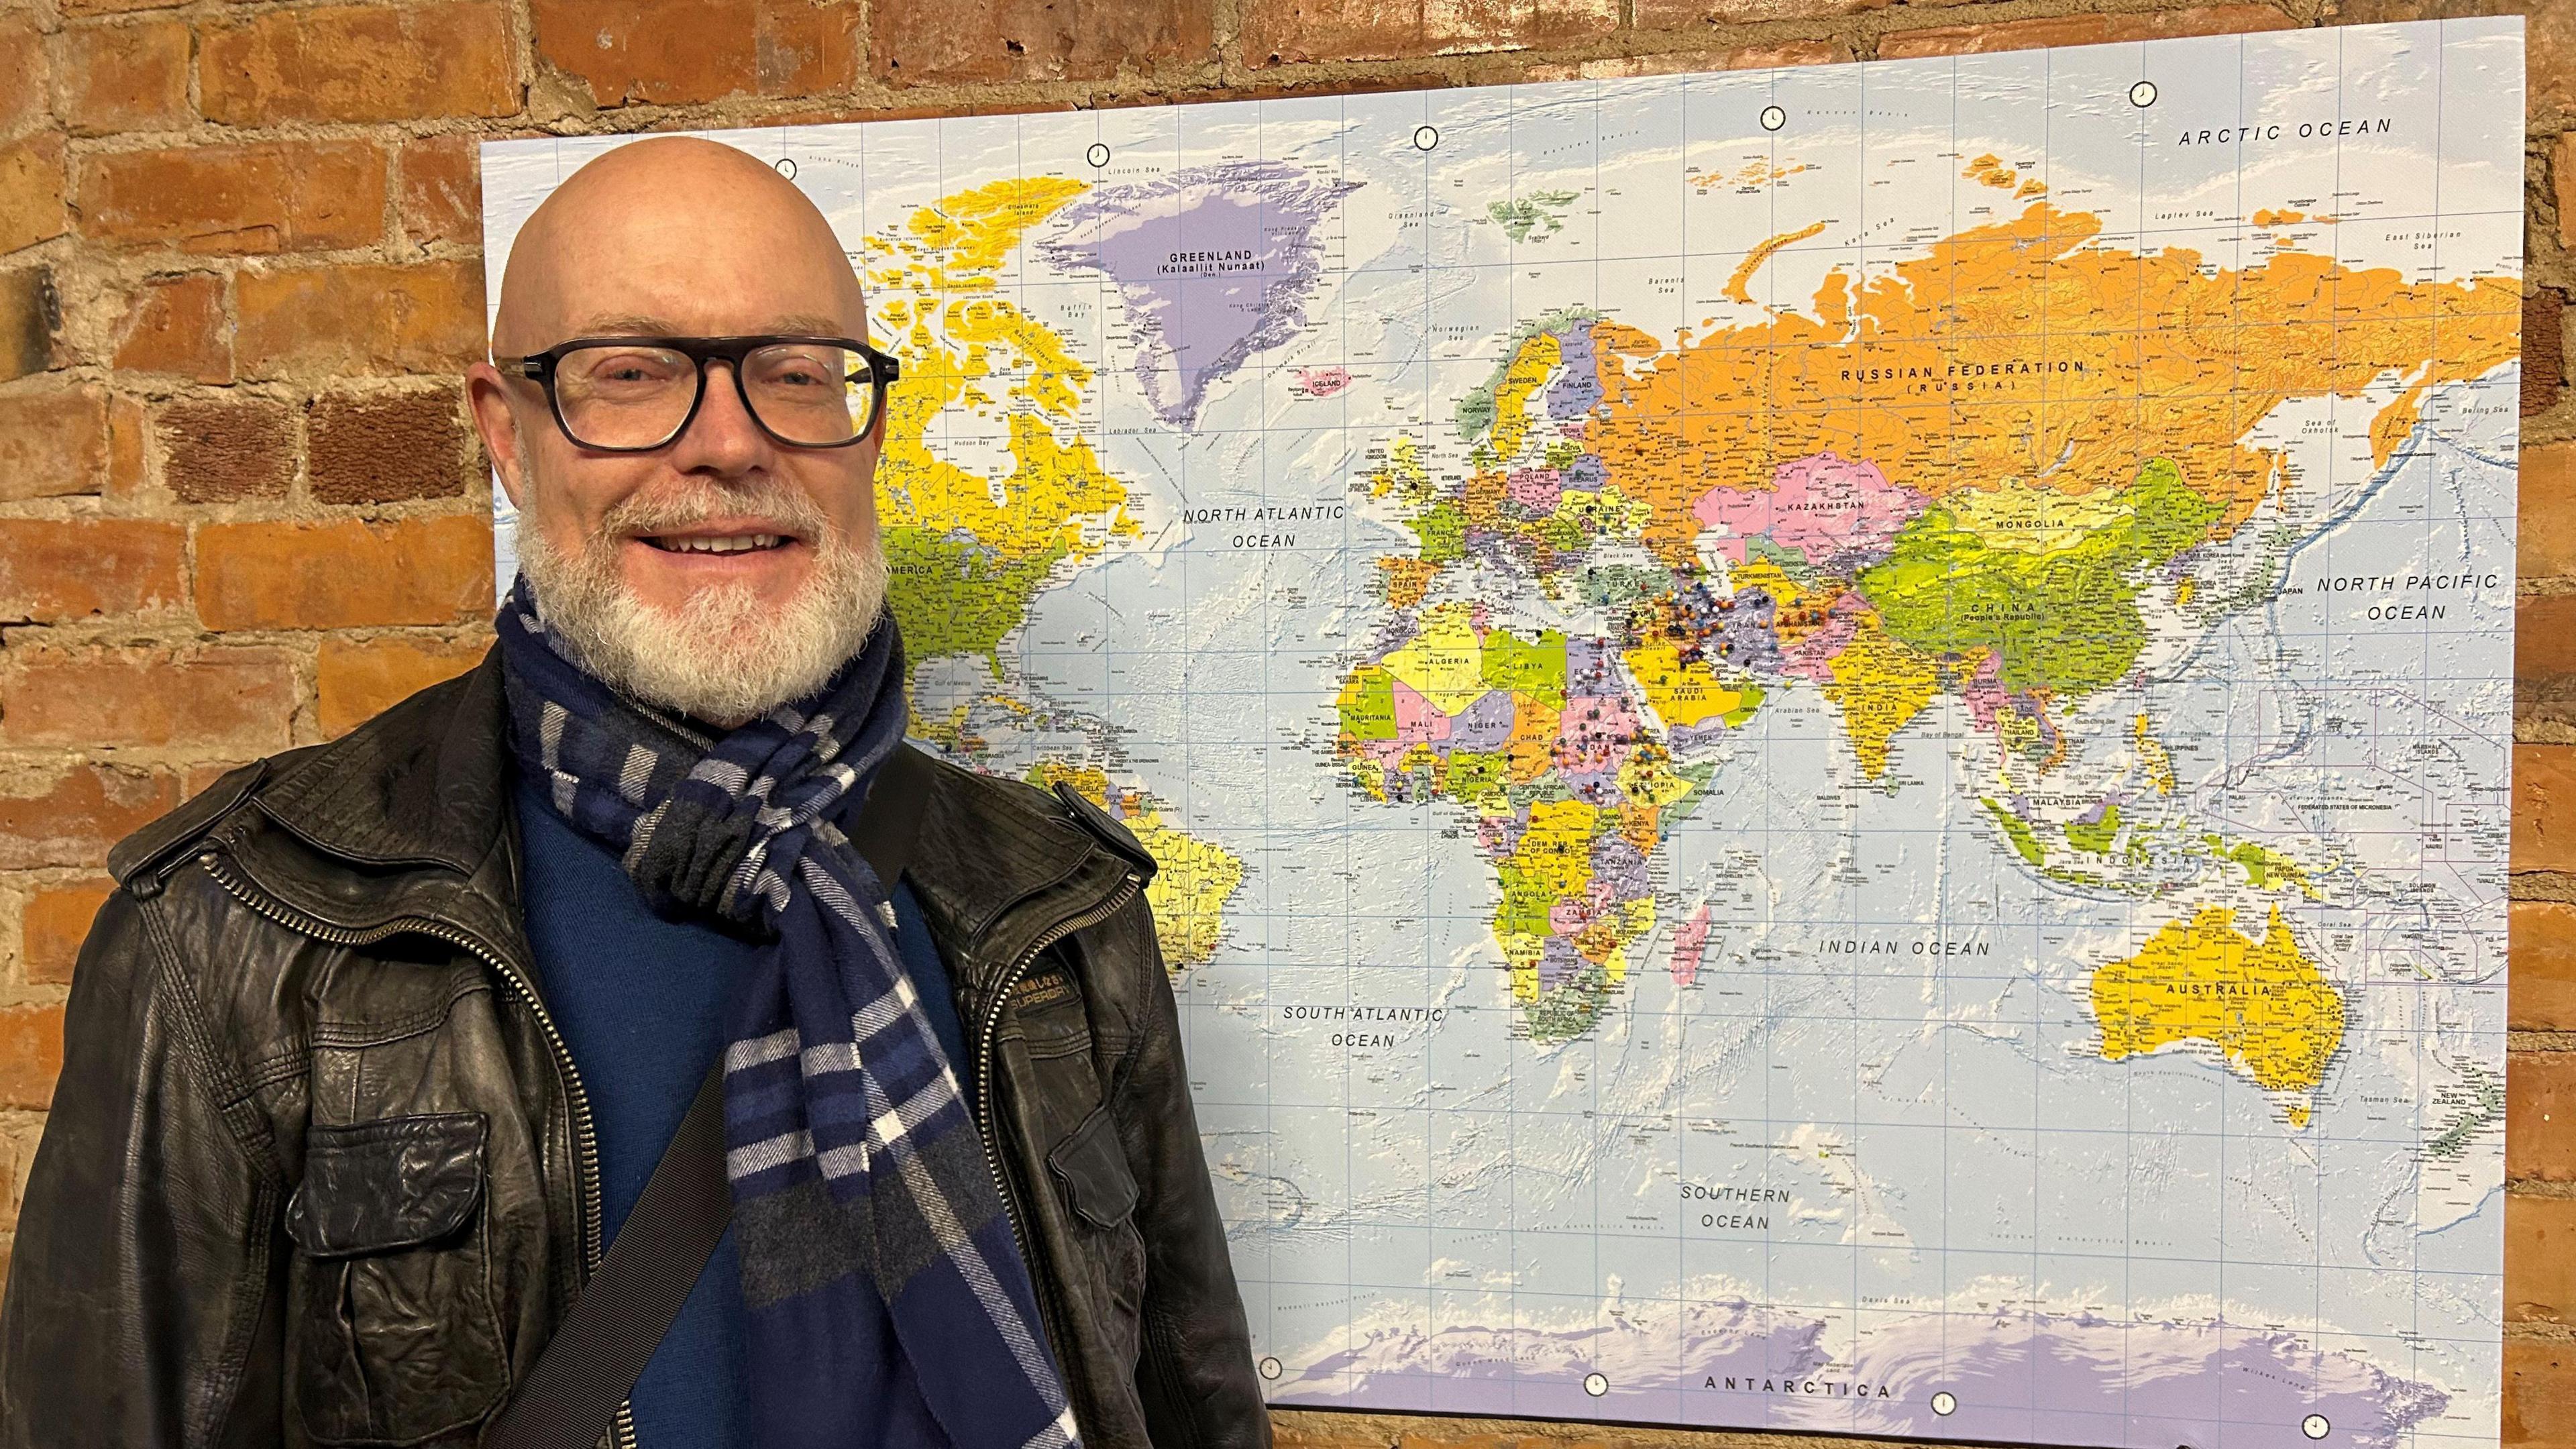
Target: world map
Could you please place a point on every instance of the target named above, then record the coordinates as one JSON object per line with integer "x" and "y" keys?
{"x": 1827, "y": 748}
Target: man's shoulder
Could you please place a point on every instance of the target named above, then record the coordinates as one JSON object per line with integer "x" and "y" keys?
{"x": 1001, "y": 799}
{"x": 391, "y": 741}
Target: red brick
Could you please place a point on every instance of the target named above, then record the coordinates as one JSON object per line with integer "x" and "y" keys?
{"x": 344, "y": 575}
{"x": 2544, "y": 357}
{"x": 221, "y": 450}
{"x": 125, "y": 425}
{"x": 1675, "y": 14}
{"x": 441, "y": 195}
{"x": 22, "y": 54}
{"x": 52, "y": 570}
{"x": 1277, "y": 31}
{"x": 2539, "y": 1257}
{"x": 2090, "y": 29}
{"x": 2562, "y": 168}
{"x": 31, "y": 1055}
{"x": 1683, "y": 62}
{"x": 203, "y": 773}
{"x": 177, "y": 325}
{"x": 53, "y": 443}
{"x": 73, "y": 818}
{"x": 675, "y": 52}
{"x": 917, "y": 42}
{"x": 359, "y": 63}
{"x": 2543, "y": 994}
{"x": 31, "y": 191}
{"x": 335, "y": 321}
{"x": 2544, "y": 807}
{"x": 381, "y": 449}
{"x": 285, "y": 196}
{"x": 225, "y": 698}
{"x": 56, "y": 921}
{"x": 125, "y": 76}
{"x": 353, "y": 683}
{"x": 2540, "y": 1116}
{"x": 30, "y": 314}
{"x": 2544, "y": 637}
{"x": 2546, "y": 544}
{"x": 2539, "y": 1393}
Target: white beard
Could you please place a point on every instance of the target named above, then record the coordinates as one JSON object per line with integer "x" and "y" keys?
{"x": 728, "y": 656}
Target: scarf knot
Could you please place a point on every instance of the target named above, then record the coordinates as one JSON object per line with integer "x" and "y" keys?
{"x": 859, "y": 1184}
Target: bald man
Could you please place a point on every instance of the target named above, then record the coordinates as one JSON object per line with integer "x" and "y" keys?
{"x": 650, "y": 925}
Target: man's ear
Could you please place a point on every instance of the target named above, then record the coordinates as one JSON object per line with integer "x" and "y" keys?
{"x": 487, "y": 395}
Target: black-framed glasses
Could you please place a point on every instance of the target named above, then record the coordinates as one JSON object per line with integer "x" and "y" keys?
{"x": 636, "y": 394}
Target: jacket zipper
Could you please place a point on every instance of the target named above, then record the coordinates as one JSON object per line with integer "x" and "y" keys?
{"x": 984, "y": 1119}
{"x": 585, "y": 1137}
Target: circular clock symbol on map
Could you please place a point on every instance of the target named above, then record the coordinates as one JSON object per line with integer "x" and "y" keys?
{"x": 1596, "y": 1384}
{"x": 1425, "y": 137}
{"x": 785, "y": 166}
{"x": 2315, "y": 1426}
{"x": 1945, "y": 1403}
{"x": 1773, "y": 118}
{"x": 1271, "y": 1368}
{"x": 1098, "y": 155}
{"x": 2143, "y": 94}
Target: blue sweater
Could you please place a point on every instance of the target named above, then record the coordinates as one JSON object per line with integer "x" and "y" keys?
{"x": 641, "y": 1004}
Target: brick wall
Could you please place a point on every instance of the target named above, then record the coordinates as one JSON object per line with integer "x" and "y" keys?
{"x": 239, "y": 509}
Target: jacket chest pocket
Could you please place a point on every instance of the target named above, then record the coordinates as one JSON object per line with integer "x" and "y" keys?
{"x": 393, "y": 1338}
{"x": 1092, "y": 1181}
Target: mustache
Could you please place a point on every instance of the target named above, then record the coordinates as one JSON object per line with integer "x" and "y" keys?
{"x": 786, "y": 509}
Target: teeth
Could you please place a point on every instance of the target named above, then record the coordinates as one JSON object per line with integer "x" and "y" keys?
{"x": 738, "y": 543}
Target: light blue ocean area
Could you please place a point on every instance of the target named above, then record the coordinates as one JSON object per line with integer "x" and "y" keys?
{"x": 1844, "y": 1146}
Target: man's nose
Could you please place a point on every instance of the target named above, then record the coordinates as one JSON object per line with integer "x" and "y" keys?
{"x": 722, "y": 438}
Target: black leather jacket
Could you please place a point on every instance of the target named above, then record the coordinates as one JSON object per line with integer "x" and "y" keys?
{"x": 320, "y": 1171}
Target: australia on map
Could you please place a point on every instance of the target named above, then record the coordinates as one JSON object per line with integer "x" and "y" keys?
{"x": 1827, "y": 748}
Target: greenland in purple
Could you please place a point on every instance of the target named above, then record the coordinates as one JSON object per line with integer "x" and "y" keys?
{"x": 2001, "y": 1378}
{"x": 1215, "y": 264}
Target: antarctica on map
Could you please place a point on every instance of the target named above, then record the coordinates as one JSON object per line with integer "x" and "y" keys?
{"x": 1828, "y": 747}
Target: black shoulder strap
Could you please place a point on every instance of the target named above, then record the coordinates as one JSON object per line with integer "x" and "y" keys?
{"x": 571, "y": 1396}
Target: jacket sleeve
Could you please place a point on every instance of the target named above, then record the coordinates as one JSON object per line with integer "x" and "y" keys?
{"x": 1195, "y": 1374}
{"x": 141, "y": 1304}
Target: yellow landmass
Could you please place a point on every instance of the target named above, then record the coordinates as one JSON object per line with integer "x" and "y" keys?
{"x": 2263, "y": 1005}
{"x": 1881, "y": 685}
{"x": 2023, "y": 353}
{"x": 1445, "y": 663}
{"x": 1684, "y": 695}
{"x": 1193, "y": 878}
{"x": 2032, "y": 519}
{"x": 2151, "y": 754}
{"x": 1529, "y": 369}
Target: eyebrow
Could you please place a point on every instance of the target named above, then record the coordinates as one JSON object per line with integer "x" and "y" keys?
{"x": 630, "y": 324}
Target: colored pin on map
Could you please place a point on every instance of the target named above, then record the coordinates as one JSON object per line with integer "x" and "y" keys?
{"x": 1425, "y": 137}
{"x": 1945, "y": 1403}
{"x": 2143, "y": 94}
{"x": 1596, "y": 1384}
{"x": 1773, "y": 118}
{"x": 1098, "y": 155}
{"x": 2315, "y": 1426}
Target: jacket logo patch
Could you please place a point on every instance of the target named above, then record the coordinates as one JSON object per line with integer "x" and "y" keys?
{"x": 1041, "y": 989}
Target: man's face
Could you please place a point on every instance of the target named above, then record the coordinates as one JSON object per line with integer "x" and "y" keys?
{"x": 699, "y": 557}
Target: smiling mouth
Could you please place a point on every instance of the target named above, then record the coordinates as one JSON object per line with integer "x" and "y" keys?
{"x": 726, "y": 543}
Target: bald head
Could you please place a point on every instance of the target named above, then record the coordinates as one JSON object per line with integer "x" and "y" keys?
{"x": 675, "y": 235}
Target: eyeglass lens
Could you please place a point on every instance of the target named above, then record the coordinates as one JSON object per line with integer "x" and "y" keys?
{"x": 635, "y": 396}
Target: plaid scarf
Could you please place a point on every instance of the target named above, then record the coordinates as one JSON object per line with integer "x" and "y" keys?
{"x": 857, "y": 1173}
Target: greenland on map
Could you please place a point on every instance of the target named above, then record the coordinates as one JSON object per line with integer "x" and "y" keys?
{"x": 1828, "y": 747}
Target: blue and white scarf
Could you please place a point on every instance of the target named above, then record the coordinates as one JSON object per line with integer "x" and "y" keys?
{"x": 856, "y": 1170}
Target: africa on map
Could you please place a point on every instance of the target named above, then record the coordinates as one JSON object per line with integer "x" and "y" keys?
{"x": 1828, "y": 747}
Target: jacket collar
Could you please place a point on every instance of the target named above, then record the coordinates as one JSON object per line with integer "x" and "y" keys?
{"x": 414, "y": 809}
